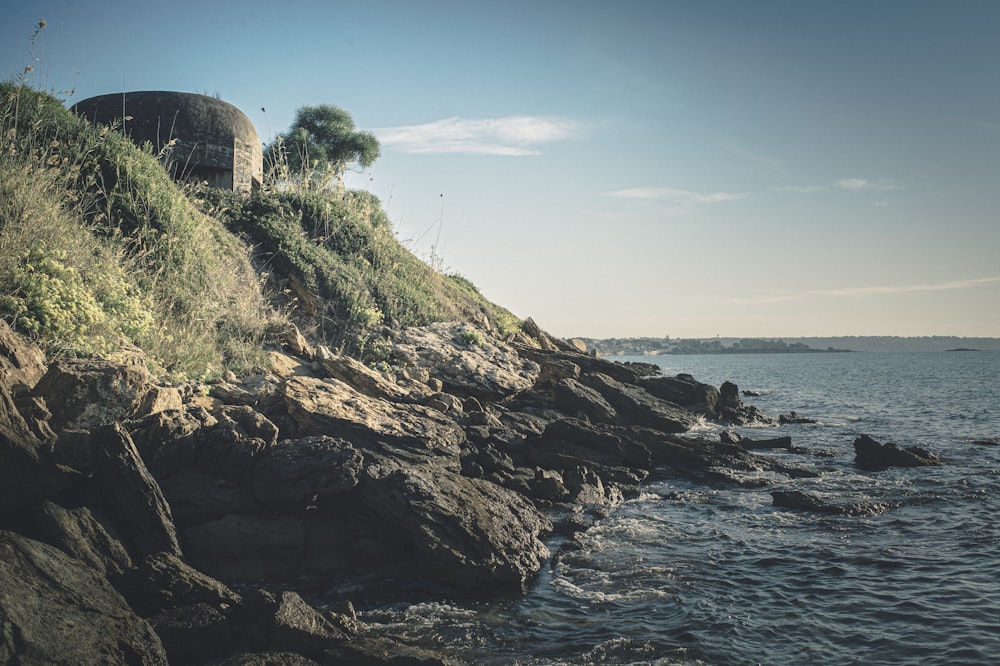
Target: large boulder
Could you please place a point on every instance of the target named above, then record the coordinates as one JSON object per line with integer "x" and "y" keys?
{"x": 465, "y": 360}
{"x": 331, "y": 407}
{"x": 130, "y": 495}
{"x": 461, "y": 532}
{"x": 55, "y": 609}
{"x": 293, "y": 474}
{"x": 223, "y": 442}
{"x": 163, "y": 581}
{"x": 87, "y": 392}
{"x": 639, "y": 407}
{"x": 684, "y": 390}
{"x": 576, "y": 399}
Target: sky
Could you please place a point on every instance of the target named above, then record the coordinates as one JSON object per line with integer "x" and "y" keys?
{"x": 743, "y": 168}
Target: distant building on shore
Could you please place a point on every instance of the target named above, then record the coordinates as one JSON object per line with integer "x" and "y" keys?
{"x": 213, "y": 140}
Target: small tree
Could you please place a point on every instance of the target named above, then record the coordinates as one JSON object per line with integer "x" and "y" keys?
{"x": 321, "y": 144}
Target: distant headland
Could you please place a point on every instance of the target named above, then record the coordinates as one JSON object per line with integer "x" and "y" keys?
{"x": 646, "y": 346}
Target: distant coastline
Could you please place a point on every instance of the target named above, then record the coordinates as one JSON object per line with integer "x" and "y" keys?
{"x": 646, "y": 346}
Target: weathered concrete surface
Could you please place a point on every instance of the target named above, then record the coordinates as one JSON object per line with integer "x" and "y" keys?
{"x": 214, "y": 140}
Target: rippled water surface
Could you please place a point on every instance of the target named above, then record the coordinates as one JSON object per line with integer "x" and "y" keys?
{"x": 688, "y": 573}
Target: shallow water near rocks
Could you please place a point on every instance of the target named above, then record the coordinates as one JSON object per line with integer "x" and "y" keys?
{"x": 693, "y": 574}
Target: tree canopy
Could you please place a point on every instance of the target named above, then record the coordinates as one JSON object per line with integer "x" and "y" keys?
{"x": 322, "y": 142}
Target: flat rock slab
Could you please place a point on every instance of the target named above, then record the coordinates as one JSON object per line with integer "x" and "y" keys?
{"x": 331, "y": 407}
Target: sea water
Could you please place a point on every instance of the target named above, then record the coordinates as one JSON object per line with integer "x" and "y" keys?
{"x": 688, "y": 573}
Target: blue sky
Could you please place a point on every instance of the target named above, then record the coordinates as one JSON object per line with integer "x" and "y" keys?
{"x": 740, "y": 168}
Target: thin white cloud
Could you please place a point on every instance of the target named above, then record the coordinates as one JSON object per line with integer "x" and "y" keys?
{"x": 872, "y": 291}
{"x": 508, "y": 136}
{"x": 952, "y": 285}
{"x": 802, "y": 189}
{"x": 849, "y": 184}
{"x": 864, "y": 185}
{"x": 685, "y": 197}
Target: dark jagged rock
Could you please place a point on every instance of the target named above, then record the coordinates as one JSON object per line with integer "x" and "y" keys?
{"x": 130, "y": 494}
{"x": 194, "y": 633}
{"x": 80, "y": 533}
{"x": 586, "y": 363}
{"x": 243, "y": 548}
{"x": 223, "y": 442}
{"x": 732, "y": 437}
{"x": 163, "y": 582}
{"x": 574, "y": 398}
{"x": 468, "y": 533}
{"x": 685, "y": 391}
{"x": 792, "y": 417}
{"x": 872, "y": 455}
{"x": 55, "y": 609}
{"x": 639, "y": 407}
{"x": 733, "y": 411}
{"x": 294, "y": 473}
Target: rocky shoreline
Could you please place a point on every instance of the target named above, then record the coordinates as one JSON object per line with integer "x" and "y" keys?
{"x": 153, "y": 524}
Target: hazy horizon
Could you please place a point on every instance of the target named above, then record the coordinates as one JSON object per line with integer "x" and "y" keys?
{"x": 636, "y": 169}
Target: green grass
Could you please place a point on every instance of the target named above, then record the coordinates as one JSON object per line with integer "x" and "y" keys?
{"x": 340, "y": 246}
{"x": 100, "y": 251}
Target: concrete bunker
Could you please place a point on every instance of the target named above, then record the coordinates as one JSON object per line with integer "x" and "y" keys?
{"x": 214, "y": 141}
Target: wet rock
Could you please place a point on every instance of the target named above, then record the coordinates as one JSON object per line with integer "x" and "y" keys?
{"x": 269, "y": 658}
{"x": 872, "y": 455}
{"x": 284, "y": 622}
{"x": 55, "y": 609}
{"x": 461, "y": 532}
{"x": 800, "y": 501}
{"x": 793, "y": 417}
{"x": 732, "y": 411}
{"x": 769, "y": 443}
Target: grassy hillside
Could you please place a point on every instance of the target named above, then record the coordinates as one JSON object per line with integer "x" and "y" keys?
{"x": 100, "y": 252}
